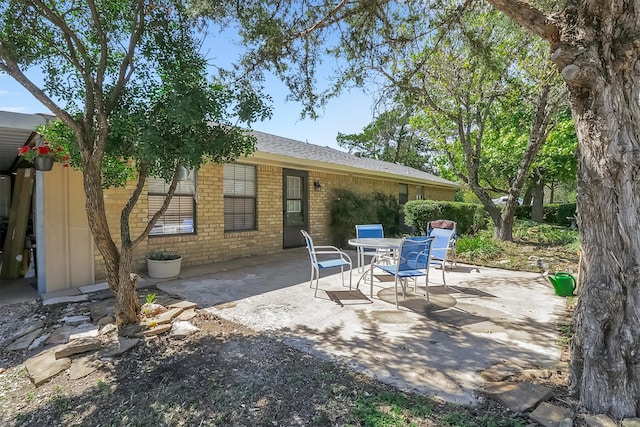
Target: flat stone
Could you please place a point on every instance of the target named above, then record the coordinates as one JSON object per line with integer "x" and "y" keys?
{"x": 600, "y": 420}
{"x": 499, "y": 372}
{"x": 168, "y": 316}
{"x": 121, "y": 345}
{"x": 78, "y": 346}
{"x": 96, "y": 287}
{"x": 26, "y": 329}
{"x": 100, "y": 310}
{"x": 65, "y": 299}
{"x": 45, "y": 366}
{"x": 518, "y": 397}
{"x": 108, "y": 328}
{"x": 25, "y": 341}
{"x": 157, "y": 330}
{"x": 183, "y": 304}
{"x": 182, "y": 329}
{"x": 88, "y": 332}
{"x": 186, "y": 315}
{"x": 106, "y": 320}
{"x": 631, "y": 422}
{"x": 550, "y": 415}
{"x": 537, "y": 373}
{"x": 38, "y": 341}
{"x": 83, "y": 366}
{"x": 132, "y": 330}
{"x": 75, "y": 320}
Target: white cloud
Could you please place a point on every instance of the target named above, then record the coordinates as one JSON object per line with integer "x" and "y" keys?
{"x": 5, "y": 92}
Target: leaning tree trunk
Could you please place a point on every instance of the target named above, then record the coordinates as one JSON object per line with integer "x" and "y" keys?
{"x": 605, "y": 364}
{"x": 537, "y": 207}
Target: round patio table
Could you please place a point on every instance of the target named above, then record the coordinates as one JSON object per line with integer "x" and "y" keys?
{"x": 390, "y": 243}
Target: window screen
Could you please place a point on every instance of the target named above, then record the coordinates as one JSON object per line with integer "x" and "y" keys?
{"x": 179, "y": 218}
{"x": 239, "y": 197}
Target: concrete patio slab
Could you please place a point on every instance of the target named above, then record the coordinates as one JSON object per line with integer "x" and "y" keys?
{"x": 485, "y": 316}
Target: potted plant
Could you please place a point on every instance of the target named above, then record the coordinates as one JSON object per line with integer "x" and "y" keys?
{"x": 43, "y": 156}
{"x": 163, "y": 264}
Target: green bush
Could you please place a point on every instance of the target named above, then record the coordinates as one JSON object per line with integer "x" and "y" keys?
{"x": 349, "y": 208}
{"x": 558, "y": 214}
{"x": 470, "y": 217}
{"x": 482, "y": 246}
{"x": 523, "y": 212}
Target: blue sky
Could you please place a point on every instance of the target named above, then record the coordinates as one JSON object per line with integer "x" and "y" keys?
{"x": 349, "y": 113}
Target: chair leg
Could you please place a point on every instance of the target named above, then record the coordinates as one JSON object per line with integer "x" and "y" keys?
{"x": 396, "y": 286}
{"x": 315, "y": 294}
{"x": 312, "y": 275}
{"x": 443, "y": 269}
{"x": 350, "y": 276}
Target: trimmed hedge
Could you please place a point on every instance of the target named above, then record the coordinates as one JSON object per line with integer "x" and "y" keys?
{"x": 470, "y": 217}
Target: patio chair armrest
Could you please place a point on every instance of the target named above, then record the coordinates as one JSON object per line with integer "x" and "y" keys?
{"x": 334, "y": 251}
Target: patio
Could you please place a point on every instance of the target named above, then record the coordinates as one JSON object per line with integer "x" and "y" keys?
{"x": 486, "y": 316}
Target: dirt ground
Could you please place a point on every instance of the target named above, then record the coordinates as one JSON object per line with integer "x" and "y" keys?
{"x": 224, "y": 375}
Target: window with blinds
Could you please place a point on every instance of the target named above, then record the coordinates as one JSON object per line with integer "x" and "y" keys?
{"x": 179, "y": 218}
{"x": 239, "y": 197}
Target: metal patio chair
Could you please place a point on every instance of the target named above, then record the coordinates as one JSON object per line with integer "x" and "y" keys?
{"x": 342, "y": 260}
{"x": 412, "y": 262}
{"x": 443, "y": 249}
{"x": 371, "y": 231}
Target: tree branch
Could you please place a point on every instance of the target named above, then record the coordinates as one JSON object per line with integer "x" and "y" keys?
{"x": 529, "y": 17}
{"x": 324, "y": 21}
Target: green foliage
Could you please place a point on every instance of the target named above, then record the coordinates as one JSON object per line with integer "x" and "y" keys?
{"x": 150, "y": 298}
{"x": 349, "y": 208}
{"x": 470, "y": 218}
{"x": 559, "y": 214}
{"x": 163, "y": 255}
{"x": 544, "y": 234}
{"x": 480, "y": 246}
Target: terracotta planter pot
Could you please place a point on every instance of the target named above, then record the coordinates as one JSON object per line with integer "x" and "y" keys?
{"x": 42, "y": 163}
{"x": 161, "y": 269}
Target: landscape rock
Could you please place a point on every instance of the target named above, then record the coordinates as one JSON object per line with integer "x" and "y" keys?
{"x": 106, "y": 320}
{"x": 168, "y": 315}
{"x": 518, "y": 397}
{"x": 119, "y": 346}
{"x": 45, "y": 366}
{"x": 88, "y": 332}
{"x": 499, "y": 372}
{"x": 550, "y": 415}
{"x": 29, "y": 327}
{"x": 537, "y": 373}
{"x": 132, "y": 330}
{"x": 157, "y": 330}
{"x": 108, "y": 328}
{"x": 78, "y": 346}
{"x": 188, "y": 314}
{"x": 75, "y": 320}
{"x": 186, "y": 305}
{"x": 600, "y": 420}
{"x": 631, "y": 422}
{"x": 25, "y": 341}
{"x": 182, "y": 329}
{"x": 102, "y": 309}
{"x": 83, "y": 366}
{"x": 38, "y": 341}
{"x": 65, "y": 299}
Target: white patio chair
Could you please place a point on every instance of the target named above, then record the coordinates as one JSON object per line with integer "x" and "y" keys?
{"x": 341, "y": 261}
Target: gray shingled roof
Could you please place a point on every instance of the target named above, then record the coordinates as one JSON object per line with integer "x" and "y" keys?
{"x": 278, "y": 145}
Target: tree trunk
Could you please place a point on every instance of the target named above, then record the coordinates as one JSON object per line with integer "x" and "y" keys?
{"x": 605, "y": 350}
{"x": 537, "y": 208}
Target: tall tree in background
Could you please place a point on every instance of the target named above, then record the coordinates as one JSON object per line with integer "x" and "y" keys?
{"x": 392, "y": 138}
{"x": 595, "y": 47}
{"x": 127, "y": 81}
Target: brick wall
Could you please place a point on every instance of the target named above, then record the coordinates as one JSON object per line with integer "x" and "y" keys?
{"x": 211, "y": 244}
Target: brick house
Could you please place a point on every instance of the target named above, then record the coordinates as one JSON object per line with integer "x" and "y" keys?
{"x": 256, "y": 205}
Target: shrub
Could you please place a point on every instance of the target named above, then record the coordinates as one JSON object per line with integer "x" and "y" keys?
{"x": 349, "y": 208}
{"x": 470, "y": 217}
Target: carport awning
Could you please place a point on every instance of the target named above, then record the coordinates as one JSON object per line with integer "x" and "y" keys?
{"x": 15, "y": 129}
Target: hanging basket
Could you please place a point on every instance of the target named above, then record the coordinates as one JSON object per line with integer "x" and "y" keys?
{"x": 43, "y": 163}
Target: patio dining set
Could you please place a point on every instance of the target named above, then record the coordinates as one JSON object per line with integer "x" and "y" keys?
{"x": 404, "y": 259}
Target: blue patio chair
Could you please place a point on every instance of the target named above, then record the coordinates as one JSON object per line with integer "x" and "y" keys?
{"x": 412, "y": 262}
{"x": 370, "y": 231}
{"x": 441, "y": 229}
{"x": 342, "y": 261}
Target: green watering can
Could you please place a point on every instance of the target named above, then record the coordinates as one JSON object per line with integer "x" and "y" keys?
{"x": 563, "y": 283}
